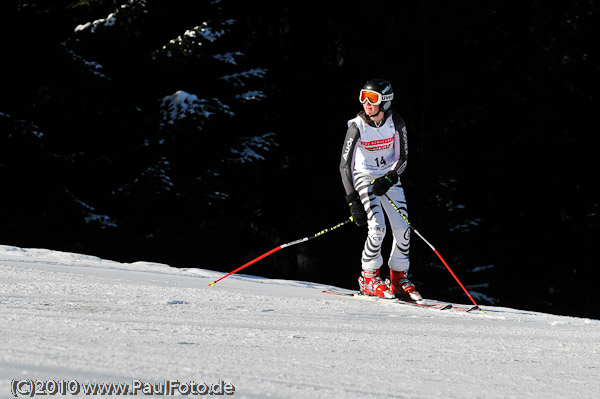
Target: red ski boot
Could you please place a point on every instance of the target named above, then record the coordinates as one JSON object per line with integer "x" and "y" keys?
{"x": 371, "y": 284}
{"x": 402, "y": 287}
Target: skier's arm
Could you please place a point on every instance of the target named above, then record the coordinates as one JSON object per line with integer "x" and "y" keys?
{"x": 347, "y": 158}
{"x": 401, "y": 140}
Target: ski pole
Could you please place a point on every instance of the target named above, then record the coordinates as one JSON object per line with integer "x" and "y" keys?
{"x": 289, "y": 244}
{"x": 434, "y": 250}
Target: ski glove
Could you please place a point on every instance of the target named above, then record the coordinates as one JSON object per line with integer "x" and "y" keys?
{"x": 382, "y": 184}
{"x": 356, "y": 209}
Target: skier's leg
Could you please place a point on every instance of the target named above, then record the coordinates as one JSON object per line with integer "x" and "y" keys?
{"x": 371, "y": 255}
{"x": 371, "y": 260}
{"x": 399, "y": 261}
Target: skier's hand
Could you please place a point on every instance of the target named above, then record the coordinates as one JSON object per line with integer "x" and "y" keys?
{"x": 382, "y": 184}
{"x": 356, "y": 209}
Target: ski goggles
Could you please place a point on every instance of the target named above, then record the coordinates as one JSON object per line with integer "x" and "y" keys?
{"x": 373, "y": 97}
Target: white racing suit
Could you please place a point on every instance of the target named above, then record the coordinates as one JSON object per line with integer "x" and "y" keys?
{"x": 370, "y": 152}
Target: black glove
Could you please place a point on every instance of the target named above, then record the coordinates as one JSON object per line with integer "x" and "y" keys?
{"x": 356, "y": 209}
{"x": 382, "y": 184}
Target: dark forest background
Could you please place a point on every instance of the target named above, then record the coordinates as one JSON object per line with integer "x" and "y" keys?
{"x": 499, "y": 99}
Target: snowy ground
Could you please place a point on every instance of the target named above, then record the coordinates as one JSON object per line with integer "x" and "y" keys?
{"x": 78, "y": 318}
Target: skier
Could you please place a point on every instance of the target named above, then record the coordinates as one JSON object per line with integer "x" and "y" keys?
{"x": 374, "y": 154}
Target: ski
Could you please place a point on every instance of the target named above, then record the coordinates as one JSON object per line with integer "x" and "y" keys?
{"x": 430, "y": 304}
{"x": 435, "y": 306}
{"x": 463, "y": 308}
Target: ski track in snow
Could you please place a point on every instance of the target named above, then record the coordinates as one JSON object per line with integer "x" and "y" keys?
{"x": 77, "y": 317}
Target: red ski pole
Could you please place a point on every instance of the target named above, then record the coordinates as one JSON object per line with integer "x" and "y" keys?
{"x": 289, "y": 244}
{"x": 434, "y": 250}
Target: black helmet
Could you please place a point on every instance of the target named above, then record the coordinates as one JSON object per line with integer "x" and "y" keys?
{"x": 381, "y": 87}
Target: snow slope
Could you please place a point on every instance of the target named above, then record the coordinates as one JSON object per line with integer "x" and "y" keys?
{"x": 78, "y": 318}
